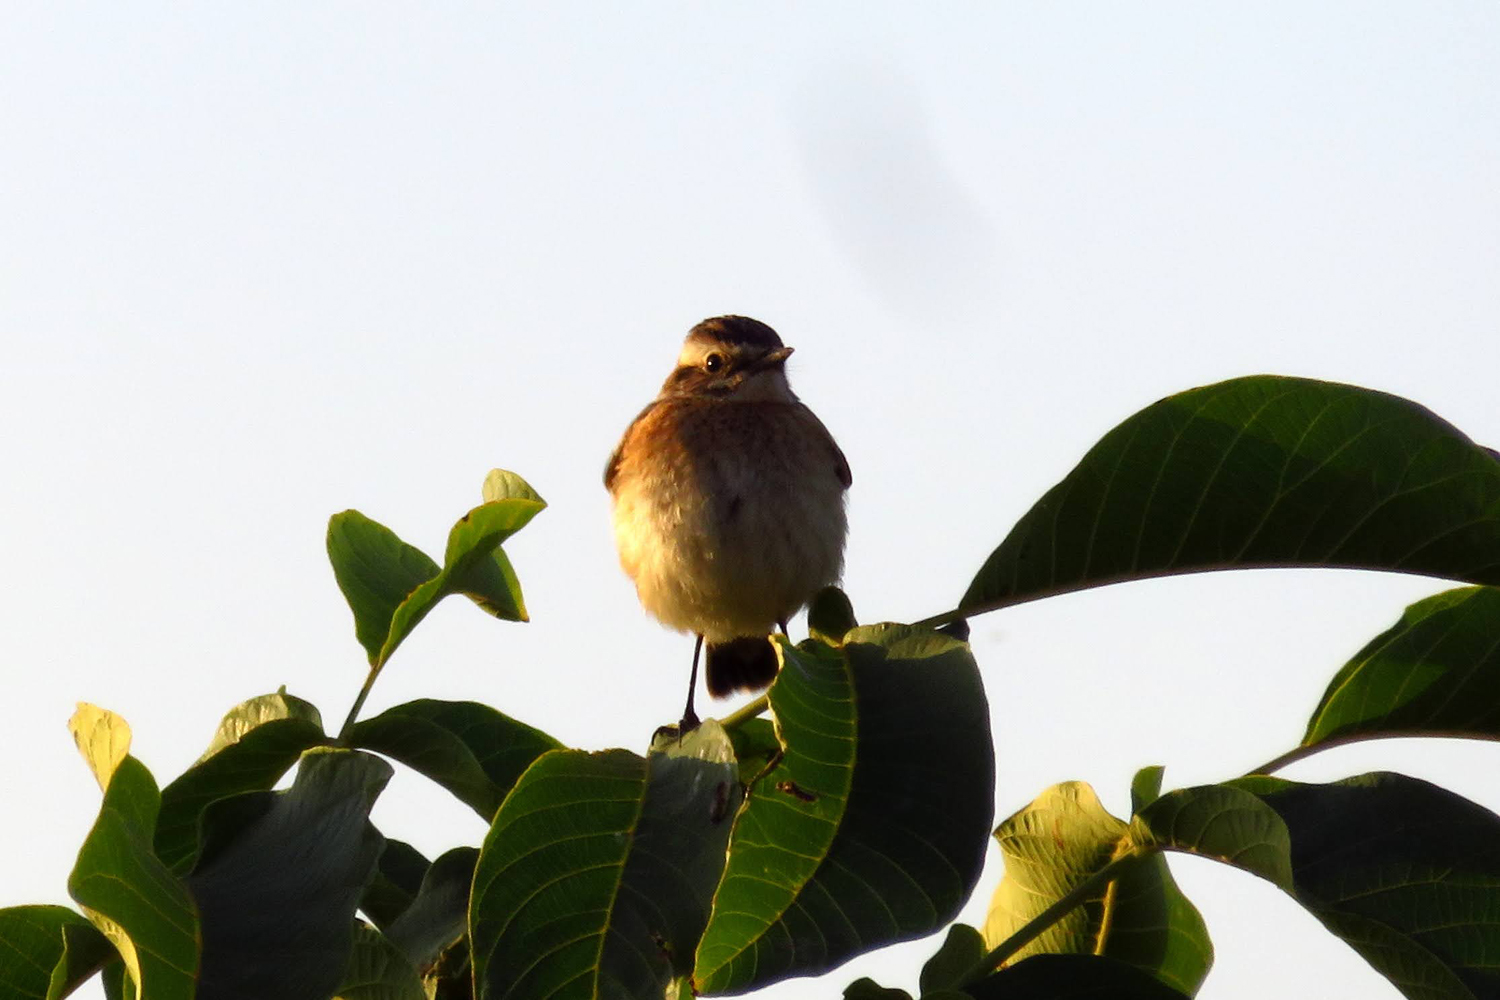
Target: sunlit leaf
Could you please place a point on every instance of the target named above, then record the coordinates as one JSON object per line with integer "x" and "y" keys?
{"x": 1057, "y": 843}
{"x": 596, "y": 875}
{"x": 124, "y": 889}
{"x": 871, "y": 826}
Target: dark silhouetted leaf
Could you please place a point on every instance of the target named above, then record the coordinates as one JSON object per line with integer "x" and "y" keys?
{"x": 1255, "y": 472}
{"x": 961, "y": 951}
{"x": 281, "y": 873}
{"x": 1405, "y": 872}
{"x": 871, "y": 827}
{"x": 378, "y": 970}
{"x": 830, "y": 616}
{"x": 436, "y": 917}
{"x": 1057, "y": 843}
{"x": 470, "y": 749}
{"x": 396, "y": 882}
{"x": 1072, "y": 977}
{"x": 257, "y": 742}
{"x": 868, "y": 989}
{"x": 596, "y": 876}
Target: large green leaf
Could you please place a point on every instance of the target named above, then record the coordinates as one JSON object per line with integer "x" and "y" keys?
{"x": 257, "y": 742}
{"x": 470, "y": 749}
{"x": 871, "y": 827}
{"x": 596, "y": 875}
{"x": 46, "y": 952}
{"x": 126, "y": 891}
{"x": 1436, "y": 672}
{"x": 1254, "y": 472}
{"x": 1407, "y": 873}
{"x": 1057, "y": 843}
{"x": 281, "y": 873}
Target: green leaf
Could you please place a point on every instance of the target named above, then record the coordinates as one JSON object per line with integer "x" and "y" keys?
{"x": 755, "y": 747}
{"x": 281, "y": 873}
{"x": 470, "y": 749}
{"x": 1072, "y": 977}
{"x": 1255, "y": 472}
{"x": 435, "y": 919}
{"x": 46, "y": 952}
{"x": 1057, "y": 843}
{"x": 124, "y": 889}
{"x": 257, "y": 742}
{"x": 871, "y": 827}
{"x": 396, "y": 882}
{"x": 1436, "y": 672}
{"x": 961, "y": 951}
{"x": 595, "y": 878}
{"x": 378, "y": 970}
{"x": 473, "y": 565}
{"x": 376, "y": 571}
{"x": 830, "y": 616}
{"x": 1145, "y": 787}
{"x": 1405, "y": 872}
{"x": 1222, "y": 822}
{"x": 502, "y": 484}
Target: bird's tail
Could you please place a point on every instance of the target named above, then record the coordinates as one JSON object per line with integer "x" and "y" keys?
{"x": 744, "y": 664}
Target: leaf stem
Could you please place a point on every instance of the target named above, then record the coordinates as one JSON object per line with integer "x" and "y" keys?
{"x": 743, "y": 715}
{"x": 359, "y": 700}
{"x": 1076, "y": 897}
{"x": 1308, "y": 749}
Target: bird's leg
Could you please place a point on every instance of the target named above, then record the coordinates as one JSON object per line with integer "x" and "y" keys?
{"x": 689, "y": 717}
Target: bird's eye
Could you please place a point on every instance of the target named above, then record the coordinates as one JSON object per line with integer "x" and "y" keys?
{"x": 713, "y": 363}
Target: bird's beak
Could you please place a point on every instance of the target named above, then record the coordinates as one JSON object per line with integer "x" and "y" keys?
{"x": 776, "y": 357}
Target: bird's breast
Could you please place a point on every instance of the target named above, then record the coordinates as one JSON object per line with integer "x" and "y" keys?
{"x": 728, "y": 515}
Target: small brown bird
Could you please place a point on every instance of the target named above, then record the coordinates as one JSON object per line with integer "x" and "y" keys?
{"x": 728, "y": 502}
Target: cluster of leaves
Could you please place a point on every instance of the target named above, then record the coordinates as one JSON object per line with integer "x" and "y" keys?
{"x": 755, "y": 849}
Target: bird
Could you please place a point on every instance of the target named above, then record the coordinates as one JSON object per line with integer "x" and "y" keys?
{"x": 728, "y": 502}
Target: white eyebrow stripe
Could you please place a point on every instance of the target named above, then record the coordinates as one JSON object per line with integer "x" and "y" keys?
{"x": 693, "y": 353}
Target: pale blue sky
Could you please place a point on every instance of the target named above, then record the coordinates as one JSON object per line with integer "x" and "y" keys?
{"x": 262, "y": 263}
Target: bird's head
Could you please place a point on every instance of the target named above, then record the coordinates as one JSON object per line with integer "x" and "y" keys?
{"x": 731, "y": 356}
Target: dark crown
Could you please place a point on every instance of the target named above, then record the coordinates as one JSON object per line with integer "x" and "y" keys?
{"x": 736, "y": 331}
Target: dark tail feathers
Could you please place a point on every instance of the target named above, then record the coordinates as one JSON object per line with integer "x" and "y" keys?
{"x": 744, "y": 664}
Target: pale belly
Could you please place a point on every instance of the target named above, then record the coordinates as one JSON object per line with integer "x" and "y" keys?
{"x": 726, "y": 546}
